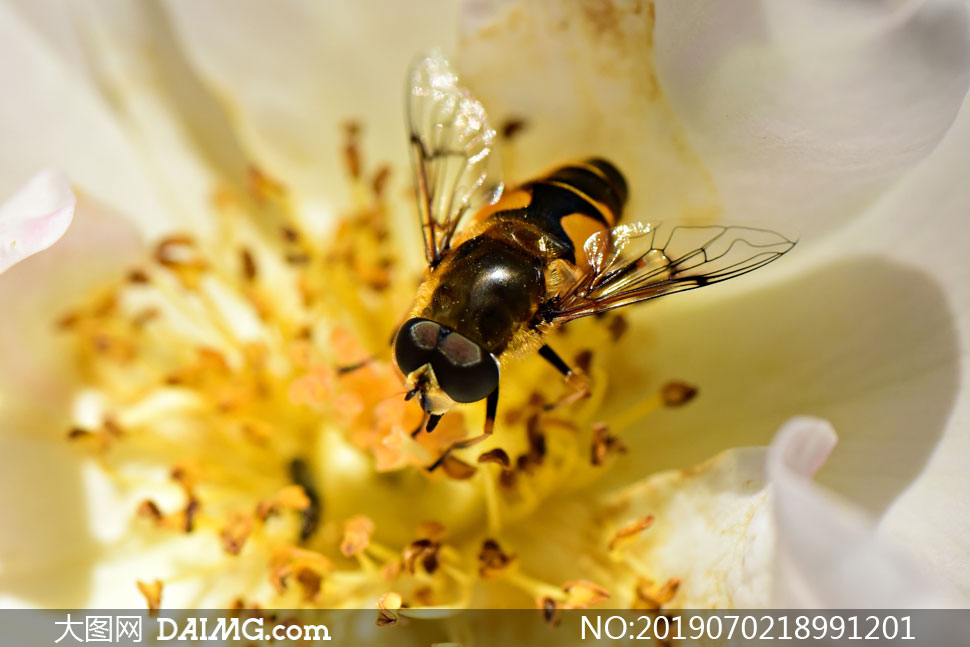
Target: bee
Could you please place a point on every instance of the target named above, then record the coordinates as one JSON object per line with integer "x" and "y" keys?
{"x": 504, "y": 268}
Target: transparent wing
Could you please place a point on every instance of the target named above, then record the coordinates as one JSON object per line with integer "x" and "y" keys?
{"x": 453, "y": 157}
{"x": 641, "y": 261}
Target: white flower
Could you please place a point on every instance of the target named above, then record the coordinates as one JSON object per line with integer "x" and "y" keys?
{"x": 832, "y": 121}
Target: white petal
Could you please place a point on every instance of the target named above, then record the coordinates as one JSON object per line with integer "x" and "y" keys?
{"x": 35, "y": 217}
{"x": 181, "y": 134}
{"x": 711, "y": 530}
{"x": 828, "y": 554}
{"x": 50, "y": 116}
{"x": 807, "y": 110}
{"x": 580, "y": 77}
{"x": 868, "y": 331}
{"x": 922, "y": 224}
{"x": 42, "y": 489}
{"x": 291, "y": 73}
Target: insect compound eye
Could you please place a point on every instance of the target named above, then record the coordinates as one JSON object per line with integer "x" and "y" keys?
{"x": 465, "y": 370}
{"x": 415, "y": 344}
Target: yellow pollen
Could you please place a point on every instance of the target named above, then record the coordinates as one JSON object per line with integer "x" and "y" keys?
{"x": 214, "y": 391}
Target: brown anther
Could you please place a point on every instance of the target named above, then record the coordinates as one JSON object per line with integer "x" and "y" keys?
{"x": 149, "y": 510}
{"x": 550, "y": 610}
{"x": 583, "y": 594}
{"x": 457, "y": 469}
{"x": 492, "y": 559}
{"x": 190, "y": 512}
{"x": 68, "y": 320}
{"x": 76, "y": 433}
{"x": 513, "y": 416}
{"x": 604, "y": 444}
{"x": 235, "y": 533}
{"x": 289, "y": 234}
{"x": 584, "y": 360}
{"x": 423, "y": 551}
{"x": 144, "y": 316}
{"x": 183, "y": 475}
{"x": 618, "y": 327}
{"x": 497, "y": 455}
{"x": 507, "y": 479}
{"x": 357, "y": 534}
{"x": 262, "y": 186}
{"x": 248, "y": 264}
{"x": 178, "y": 255}
{"x": 138, "y": 276}
{"x": 310, "y": 581}
{"x": 634, "y": 527}
{"x": 512, "y": 127}
{"x": 379, "y": 183}
{"x": 645, "y": 597}
{"x": 667, "y": 592}
{"x": 112, "y": 428}
{"x": 173, "y": 250}
{"x": 352, "y": 149}
{"x": 387, "y": 608}
{"x": 297, "y": 258}
{"x": 106, "y": 306}
{"x": 431, "y": 529}
{"x": 102, "y": 343}
{"x": 290, "y": 560}
{"x": 676, "y": 394}
{"x": 152, "y": 592}
{"x": 537, "y": 445}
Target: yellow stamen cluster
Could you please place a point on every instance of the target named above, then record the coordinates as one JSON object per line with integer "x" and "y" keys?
{"x": 216, "y": 389}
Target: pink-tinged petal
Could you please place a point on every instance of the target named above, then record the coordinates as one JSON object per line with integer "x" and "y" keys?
{"x": 51, "y": 115}
{"x": 923, "y": 224}
{"x": 828, "y": 554}
{"x": 35, "y": 217}
{"x": 42, "y": 488}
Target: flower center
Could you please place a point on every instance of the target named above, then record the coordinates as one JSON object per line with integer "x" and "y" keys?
{"x": 243, "y": 387}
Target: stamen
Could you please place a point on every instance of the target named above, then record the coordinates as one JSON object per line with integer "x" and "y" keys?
{"x": 537, "y": 589}
{"x": 216, "y": 362}
{"x": 673, "y": 394}
{"x": 493, "y": 513}
{"x": 631, "y": 529}
{"x": 152, "y": 592}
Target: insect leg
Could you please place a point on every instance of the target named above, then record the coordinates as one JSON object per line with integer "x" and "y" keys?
{"x": 491, "y": 408}
{"x": 553, "y": 358}
{"x": 575, "y": 380}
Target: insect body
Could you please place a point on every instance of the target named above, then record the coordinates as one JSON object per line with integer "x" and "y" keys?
{"x": 541, "y": 255}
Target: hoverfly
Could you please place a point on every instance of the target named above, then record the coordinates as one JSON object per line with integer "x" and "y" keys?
{"x": 505, "y": 268}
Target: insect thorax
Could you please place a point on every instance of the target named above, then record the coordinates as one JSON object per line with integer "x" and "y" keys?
{"x": 488, "y": 288}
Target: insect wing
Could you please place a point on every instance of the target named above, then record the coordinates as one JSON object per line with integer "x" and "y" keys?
{"x": 640, "y": 261}
{"x": 453, "y": 157}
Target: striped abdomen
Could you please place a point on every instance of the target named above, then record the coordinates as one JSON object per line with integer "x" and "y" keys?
{"x": 490, "y": 286}
{"x": 568, "y": 205}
